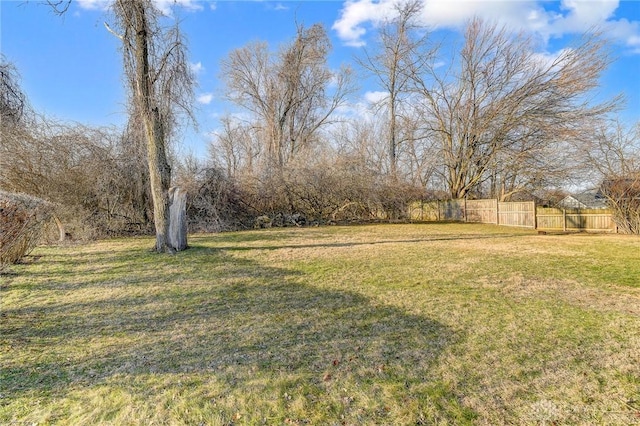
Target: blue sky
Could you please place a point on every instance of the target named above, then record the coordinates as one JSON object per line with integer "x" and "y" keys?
{"x": 71, "y": 69}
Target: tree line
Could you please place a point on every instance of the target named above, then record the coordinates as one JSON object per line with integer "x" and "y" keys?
{"x": 488, "y": 118}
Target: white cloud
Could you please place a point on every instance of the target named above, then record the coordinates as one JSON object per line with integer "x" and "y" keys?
{"x": 363, "y": 108}
{"x": 163, "y": 5}
{"x": 375, "y": 96}
{"x": 534, "y": 17}
{"x": 196, "y": 68}
{"x": 356, "y": 13}
{"x": 205, "y": 98}
{"x": 577, "y": 17}
{"x": 627, "y": 31}
{"x": 94, "y": 4}
{"x": 552, "y": 60}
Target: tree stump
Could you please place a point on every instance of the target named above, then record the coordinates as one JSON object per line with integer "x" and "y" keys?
{"x": 177, "y": 219}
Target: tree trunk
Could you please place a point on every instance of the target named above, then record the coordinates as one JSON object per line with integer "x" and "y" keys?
{"x": 160, "y": 179}
{"x": 159, "y": 169}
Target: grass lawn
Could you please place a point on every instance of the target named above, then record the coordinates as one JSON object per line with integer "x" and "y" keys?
{"x": 387, "y": 324}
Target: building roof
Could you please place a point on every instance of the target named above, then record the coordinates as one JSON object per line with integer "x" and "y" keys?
{"x": 584, "y": 200}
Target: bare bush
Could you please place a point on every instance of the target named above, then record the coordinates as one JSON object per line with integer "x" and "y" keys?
{"x": 623, "y": 195}
{"x": 216, "y": 204}
{"x": 22, "y": 222}
{"x": 327, "y": 191}
{"x": 613, "y": 159}
{"x": 93, "y": 176}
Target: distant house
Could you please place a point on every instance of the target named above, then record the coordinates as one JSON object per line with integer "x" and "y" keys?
{"x": 584, "y": 200}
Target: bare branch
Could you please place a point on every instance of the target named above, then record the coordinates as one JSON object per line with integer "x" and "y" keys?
{"x": 121, "y": 37}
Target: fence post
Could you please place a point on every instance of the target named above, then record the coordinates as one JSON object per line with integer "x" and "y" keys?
{"x": 535, "y": 215}
{"x": 497, "y": 212}
{"x": 465, "y": 209}
{"x": 564, "y": 219}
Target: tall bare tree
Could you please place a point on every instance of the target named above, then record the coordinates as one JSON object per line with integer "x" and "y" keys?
{"x": 500, "y": 104}
{"x": 401, "y": 42}
{"x": 161, "y": 86}
{"x": 291, "y": 94}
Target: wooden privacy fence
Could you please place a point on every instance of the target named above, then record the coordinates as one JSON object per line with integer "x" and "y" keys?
{"x": 521, "y": 214}
{"x": 554, "y": 218}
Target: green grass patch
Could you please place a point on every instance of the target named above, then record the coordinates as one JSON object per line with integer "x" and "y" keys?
{"x": 387, "y": 324}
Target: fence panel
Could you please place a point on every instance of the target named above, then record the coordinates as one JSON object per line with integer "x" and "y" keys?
{"x": 575, "y": 219}
{"x": 591, "y": 220}
{"x": 482, "y": 211}
{"x": 424, "y": 211}
{"x": 434, "y": 211}
{"x": 452, "y": 210}
{"x": 520, "y": 214}
{"x": 550, "y": 218}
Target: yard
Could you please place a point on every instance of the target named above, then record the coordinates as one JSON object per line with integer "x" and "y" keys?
{"x": 387, "y": 324}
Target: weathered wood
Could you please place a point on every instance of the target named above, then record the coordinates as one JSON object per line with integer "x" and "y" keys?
{"x": 483, "y": 211}
{"x": 520, "y": 214}
{"x": 553, "y": 218}
{"x": 177, "y": 219}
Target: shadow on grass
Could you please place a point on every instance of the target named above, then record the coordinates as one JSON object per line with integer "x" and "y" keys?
{"x": 434, "y": 238}
{"x": 278, "y": 237}
{"x": 207, "y": 314}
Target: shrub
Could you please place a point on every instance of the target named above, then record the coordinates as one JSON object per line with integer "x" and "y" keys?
{"x": 215, "y": 203}
{"x": 22, "y": 222}
{"x": 623, "y": 195}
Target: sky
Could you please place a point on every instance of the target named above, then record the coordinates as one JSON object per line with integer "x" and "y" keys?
{"x": 70, "y": 65}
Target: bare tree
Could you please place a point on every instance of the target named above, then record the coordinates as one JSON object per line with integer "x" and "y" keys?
{"x": 499, "y": 104}
{"x": 235, "y": 148}
{"x": 288, "y": 93}
{"x": 614, "y": 150}
{"x": 401, "y": 42}
{"x": 613, "y": 159}
{"x": 161, "y": 85}
{"x": 13, "y": 101}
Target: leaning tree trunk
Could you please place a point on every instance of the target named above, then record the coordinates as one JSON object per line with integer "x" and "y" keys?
{"x": 159, "y": 169}
{"x": 160, "y": 179}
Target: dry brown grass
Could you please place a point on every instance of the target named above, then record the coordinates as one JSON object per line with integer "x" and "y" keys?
{"x": 404, "y": 324}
